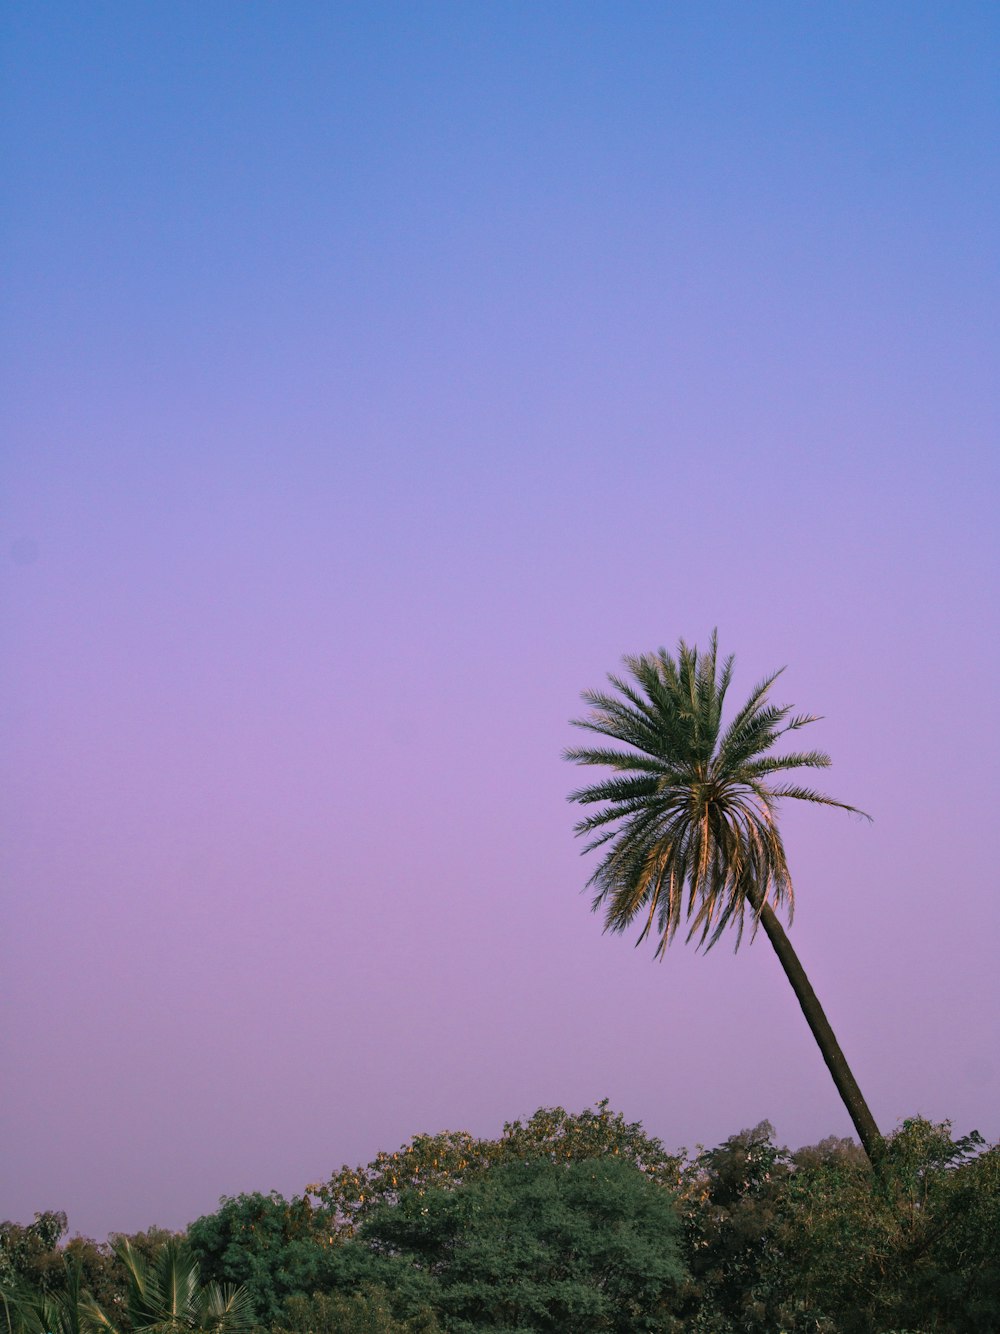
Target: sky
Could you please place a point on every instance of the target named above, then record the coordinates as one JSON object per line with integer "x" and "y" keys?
{"x": 376, "y": 376}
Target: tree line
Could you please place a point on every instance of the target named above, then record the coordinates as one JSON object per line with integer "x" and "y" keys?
{"x": 562, "y": 1223}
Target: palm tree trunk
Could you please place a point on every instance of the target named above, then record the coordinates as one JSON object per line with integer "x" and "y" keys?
{"x": 836, "y": 1063}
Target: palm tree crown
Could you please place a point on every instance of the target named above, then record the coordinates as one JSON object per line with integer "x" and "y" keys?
{"x": 168, "y": 1297}
{"x": 690, "y": 809}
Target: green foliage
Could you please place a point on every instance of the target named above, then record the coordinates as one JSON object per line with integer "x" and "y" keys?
{"x": 42, "y": 1281}
{"x": 375, "y": 1285}
{"x": 869, "y": 1248}
{"x": 29, "y": 1252}
{"x": 582, "y": 1245}
{"x": 366, "y": 1310}
{"x": 560, "y": 1136}
{"x": 565, "y": 1221}
{"x": 57, "y": 1310}
{"x": 729, "y": 1199}
{"x": 963, "y": 1255}
{"x": 278, "y": 1248}
{"x": 449, "y": 1159}
{"x": 273, "y": 1247}
{"x": 817, "y": 1241}
{"x": 37, "y": 1264}
{"x": 425, "y": 1161}
{"x": 434, "y": 1165}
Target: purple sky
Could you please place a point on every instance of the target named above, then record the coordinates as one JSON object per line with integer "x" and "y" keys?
{"x": 375, "y": 377}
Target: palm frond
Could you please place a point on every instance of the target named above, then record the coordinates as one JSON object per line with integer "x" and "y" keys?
{"x": 816, "y": 798}
{"x": 772, "y": 764}
{"x": 686, "y": 819}
{"x": 615, "y": 759}
{"x": 225, "y": 1310}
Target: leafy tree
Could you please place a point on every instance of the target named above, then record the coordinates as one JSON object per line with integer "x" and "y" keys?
{"x": 816, "y": 1243}
{"x": 920, "y": 1245}
{"x": 561, "y": 1136}
{"x": 273, "y": 1247}
{"x": 964, "y": 1253}
{"x": 30, "y": 1252}
{"x": 688, "y": 819}
{"x": 585, "y": 1245}
{"x": 279, "y": 1248}
{"x": 730, "y": 1199}
{"x": 449, "y": 1159}
{"x": 369, "y": 1309}
{"x": 445, "y": 1160}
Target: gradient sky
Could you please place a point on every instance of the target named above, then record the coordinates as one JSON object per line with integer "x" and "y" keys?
{"x": 375, "y": 376}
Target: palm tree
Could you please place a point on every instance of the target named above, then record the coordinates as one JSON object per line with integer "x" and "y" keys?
{"x": 28, "y": 1310}
{"x": 168, "y": 1297}
{"x": 687, "y": 819}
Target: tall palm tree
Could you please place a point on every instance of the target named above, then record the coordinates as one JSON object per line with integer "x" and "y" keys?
{"x": 687, "y": 819}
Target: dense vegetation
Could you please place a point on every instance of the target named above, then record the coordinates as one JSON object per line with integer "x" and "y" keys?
{"x": 564, "y": 1223}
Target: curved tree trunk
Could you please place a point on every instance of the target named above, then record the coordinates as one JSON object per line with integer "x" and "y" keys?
{"x": 836, "y": 1063}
